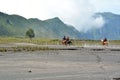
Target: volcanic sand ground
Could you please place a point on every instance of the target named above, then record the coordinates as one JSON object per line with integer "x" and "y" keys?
{"x": 83, "y": 63}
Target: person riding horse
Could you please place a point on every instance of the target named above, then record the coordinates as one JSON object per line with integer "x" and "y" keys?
{"x": 66, "y": 41}
{"x": 105, "y": 42}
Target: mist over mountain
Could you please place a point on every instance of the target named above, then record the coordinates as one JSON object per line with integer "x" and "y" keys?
{"x": 107, "y": 25}
{"x": 110, "y": 29}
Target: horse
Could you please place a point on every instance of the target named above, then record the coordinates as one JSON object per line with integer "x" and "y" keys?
{"x": 66, "y": 42}
{"x": 104, "y": 42}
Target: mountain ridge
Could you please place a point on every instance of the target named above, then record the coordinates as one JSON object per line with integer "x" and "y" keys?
{"x": 16, "y": 26}
{"x": 110, "y": 30}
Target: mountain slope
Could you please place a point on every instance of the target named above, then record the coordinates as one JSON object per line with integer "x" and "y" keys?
{"x": 111, "y": 28}
{"x": 16, "y": 26}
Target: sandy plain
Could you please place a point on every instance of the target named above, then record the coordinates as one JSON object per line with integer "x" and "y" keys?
{"x": 71, "y": 63}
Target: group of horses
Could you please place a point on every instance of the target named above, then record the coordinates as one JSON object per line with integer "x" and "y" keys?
{"x": 66, "y": 41}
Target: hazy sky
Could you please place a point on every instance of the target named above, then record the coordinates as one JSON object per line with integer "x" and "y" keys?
{"x": 74, "y": 12}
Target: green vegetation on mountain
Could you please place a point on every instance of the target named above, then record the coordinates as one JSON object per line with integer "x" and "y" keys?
{"x": 30, "y": 33}
{"x": 16, "y": 26}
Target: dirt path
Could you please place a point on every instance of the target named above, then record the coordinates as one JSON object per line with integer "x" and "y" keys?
{"x": 80, "y": 64}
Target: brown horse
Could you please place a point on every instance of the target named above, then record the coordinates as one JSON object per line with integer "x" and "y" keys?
{"x": 66, "y": 41}
{"x": 105, "y": 42}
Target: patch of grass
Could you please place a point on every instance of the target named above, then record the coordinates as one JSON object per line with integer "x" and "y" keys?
{"x": 3, "y": 49}
{"x": 27, "y": 40}
{"x": 42, "y": 41}
{"x": 24, "y": 48}
{"x": 114, "y": 42}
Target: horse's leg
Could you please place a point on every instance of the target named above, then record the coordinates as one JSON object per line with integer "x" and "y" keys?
{"x": 106, "y": 43}
{"x": 63, "y": 42}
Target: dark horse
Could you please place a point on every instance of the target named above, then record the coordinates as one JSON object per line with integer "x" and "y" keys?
{"x": 66, "y": 41}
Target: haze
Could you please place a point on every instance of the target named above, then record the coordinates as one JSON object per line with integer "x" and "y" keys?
{"x": 73, "y": 12}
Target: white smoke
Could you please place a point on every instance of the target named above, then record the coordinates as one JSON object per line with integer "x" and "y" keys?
{"x": 98, "y": 22}
{"x": 77, "y": 13}
{"x": 73, "y": 12}
{"x": 92, "y": 23}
